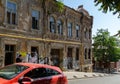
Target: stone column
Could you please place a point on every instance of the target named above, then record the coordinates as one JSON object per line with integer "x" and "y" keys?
{"x": 65, "y": 57}
{"x": 73, "y": 57}
{"x": 82, "y": 57}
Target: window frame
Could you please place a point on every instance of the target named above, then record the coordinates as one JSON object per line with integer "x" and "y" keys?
{"x": 52, "y": 24}
{"x": 12, "y": 12}
{"x": 60, "y": 27}
{"x": 35, "y": 19}
{"x": 69, "y": 29}
{"x": 77, "y": 31}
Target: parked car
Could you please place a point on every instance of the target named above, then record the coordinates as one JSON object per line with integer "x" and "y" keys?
{"x": 30, "y": 73}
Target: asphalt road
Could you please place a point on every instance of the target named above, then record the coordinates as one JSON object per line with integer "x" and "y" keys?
{"x": 113, "y": 79}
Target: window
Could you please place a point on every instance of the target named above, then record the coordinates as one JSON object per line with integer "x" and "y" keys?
{"x": 51, "y": 72}
{"x": 77, "y": 53}
{"x": 60, "y": 27}
{"x": 11, "y": 12}
{"x": 52, "y": 25}
{"x": 85, "y": 53}
{"x": 77, "y": 30}
{"x": 69, "y": 29}
{"x": 11, "y": 71}
{"x": 85, "y": 33}
{"x": 44, "y": 72}
{"x": 35, "y": 19}
{"x": 89, "y": 54}
{"x": 34, "y": 73}
{"x": 89, "y": 34}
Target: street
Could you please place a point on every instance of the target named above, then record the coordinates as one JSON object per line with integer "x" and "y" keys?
{"x": 114, "y": 79}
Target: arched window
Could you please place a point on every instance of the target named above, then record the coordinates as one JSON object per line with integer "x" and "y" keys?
{"x": 90, "y": 34}
{"x": 52, "y": 24}
{"x": 60, "y": 27}
{"x": 69, "y": 29}
{"x": 77, "y": 31}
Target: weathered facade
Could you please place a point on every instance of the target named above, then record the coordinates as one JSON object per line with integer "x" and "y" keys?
{"x": 29, "y": 26}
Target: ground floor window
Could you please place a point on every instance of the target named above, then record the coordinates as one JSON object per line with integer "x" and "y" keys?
{"x": 9, "y": 54}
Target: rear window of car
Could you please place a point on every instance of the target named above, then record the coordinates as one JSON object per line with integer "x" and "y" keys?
{"x": 11, "y": 71}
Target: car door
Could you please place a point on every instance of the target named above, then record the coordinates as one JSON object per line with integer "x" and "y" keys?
{"x": 38, "y": 76}
{"x": 54, "y": 76}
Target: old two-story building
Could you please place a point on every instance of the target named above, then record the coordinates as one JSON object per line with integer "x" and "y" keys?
{"x": 30, "y": 26}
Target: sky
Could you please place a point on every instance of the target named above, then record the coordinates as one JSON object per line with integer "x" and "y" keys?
{"x": 101, "y": 20}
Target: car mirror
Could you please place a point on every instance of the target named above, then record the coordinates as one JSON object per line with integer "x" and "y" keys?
{"x": 25, "y": 80}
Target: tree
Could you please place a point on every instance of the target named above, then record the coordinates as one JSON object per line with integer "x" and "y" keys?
{"x": 57, "y": 6}
{"x": 105, "y": 48}
{"x": 109, "y": 5}
{"x": 118, "y": 34}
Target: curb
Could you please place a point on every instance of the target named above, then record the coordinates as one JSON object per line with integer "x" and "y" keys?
{"x": 86, "y": 76}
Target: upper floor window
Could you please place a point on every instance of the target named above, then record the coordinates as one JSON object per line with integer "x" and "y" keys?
{"x": 35, "y": 19}
{"x": 69, "y": 29}
{"x": 52, "y": 25}
{"x": 77, "y": 30}
{"x": 11, "y": 12}
{"x": 89, "y": 34}
{"x": 85, "y": 33}
{"x": 60, "y": 27}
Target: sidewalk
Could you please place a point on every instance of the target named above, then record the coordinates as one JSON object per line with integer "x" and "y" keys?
{"x": 78, "y": 75}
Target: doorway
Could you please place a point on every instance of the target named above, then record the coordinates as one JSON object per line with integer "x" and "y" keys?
{"x": 34, "y": 51}
{"x": 69, "y": 58}
{"x": 9, "y": 54}
{"x": 55, "y": 57}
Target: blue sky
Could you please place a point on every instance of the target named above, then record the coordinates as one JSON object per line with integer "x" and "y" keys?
{"x": 101, "y": 20}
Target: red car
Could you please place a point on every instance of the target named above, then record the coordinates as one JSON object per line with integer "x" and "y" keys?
{"x": 30, "y": 73}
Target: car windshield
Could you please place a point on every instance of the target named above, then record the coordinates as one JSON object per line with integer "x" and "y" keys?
{"x": 11, "y": 71}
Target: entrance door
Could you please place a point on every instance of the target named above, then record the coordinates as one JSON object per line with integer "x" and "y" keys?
{"x": 69, "y": 57}
{"x": 9, "y": 54}
{"x": 34, "y": 52}
{"x": 55, "y": 56}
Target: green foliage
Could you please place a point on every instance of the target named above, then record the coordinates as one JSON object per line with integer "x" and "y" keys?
{"x": 105, "y": 47}
{"x": 118, "y": 34}
{"x": 109, "y": 5}
{"x": 60, "y": 5}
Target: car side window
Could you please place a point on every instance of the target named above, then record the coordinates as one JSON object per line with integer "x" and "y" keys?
{"x": 36, "y": 73}
{"x": 51, "y": 72}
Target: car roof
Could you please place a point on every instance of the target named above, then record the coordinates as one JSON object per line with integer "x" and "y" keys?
{"x": 35, "y": 65}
